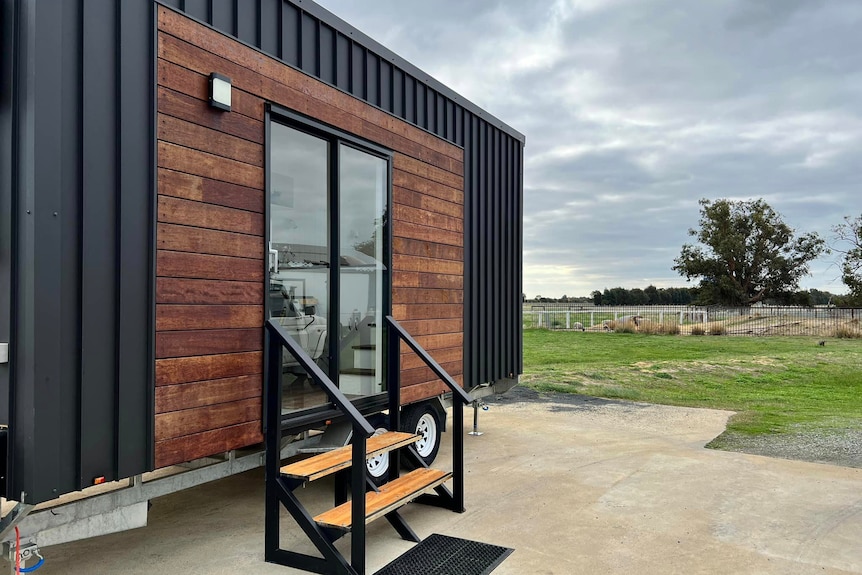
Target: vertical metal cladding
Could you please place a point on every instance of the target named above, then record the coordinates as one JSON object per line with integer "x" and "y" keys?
{"x": 98, "y": 304}
{"x": 7, "y": 59}
{"x": 135, "y": 139}
{"x": 79, "y": 129}
{"x": 45, "y": 316}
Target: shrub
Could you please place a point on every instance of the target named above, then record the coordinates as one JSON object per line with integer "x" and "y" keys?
{"x": 717, "y": 329}
{"x": 655, "y": 328}
{"x": 650, "y": 328}
{"x": 625, "y": 327}
{"x": 670, "y": 328}
{"x": 847, "y": 332}
{"x": 698, "y": 330}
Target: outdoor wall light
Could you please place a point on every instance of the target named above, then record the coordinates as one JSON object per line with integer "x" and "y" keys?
{"x": 220, "y": 91}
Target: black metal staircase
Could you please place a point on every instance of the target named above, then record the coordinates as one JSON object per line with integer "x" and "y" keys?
{"x": 366, "y": 502}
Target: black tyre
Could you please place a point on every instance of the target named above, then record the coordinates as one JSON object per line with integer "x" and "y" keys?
{"x": 426, "y": 422}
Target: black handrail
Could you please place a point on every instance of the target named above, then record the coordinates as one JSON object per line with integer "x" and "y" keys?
{"x": 461, "y": 398}
{"x": 429, "y": 361}
{"x": 362, "y": 430}
{"x": 320, "y": 378}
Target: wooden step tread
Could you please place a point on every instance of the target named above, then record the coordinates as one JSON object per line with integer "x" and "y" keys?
{"x": 390, "y": 497}
{"x": 337, "y": 459}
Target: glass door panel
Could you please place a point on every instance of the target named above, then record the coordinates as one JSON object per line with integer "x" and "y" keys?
{"x": 300, "y": 254}
{"x": 362, "y": 186}
{"x": 328, "y": 251}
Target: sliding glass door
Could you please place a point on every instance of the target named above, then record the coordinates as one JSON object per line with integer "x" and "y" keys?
{"x": 329, "y": 248}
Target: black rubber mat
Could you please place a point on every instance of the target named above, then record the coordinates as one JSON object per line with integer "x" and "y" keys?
{"x": 443, "y": 555}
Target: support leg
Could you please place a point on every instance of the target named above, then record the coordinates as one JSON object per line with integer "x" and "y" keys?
{"x": 404, "y": 530}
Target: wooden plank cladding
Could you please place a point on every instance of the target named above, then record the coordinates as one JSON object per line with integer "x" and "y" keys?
{"x": 188, "y": 265}
{"x": 201, "y": 368}
{"x": 209, "y": 267}
{"x": 198, "y": 291}
{"x": 197, "y": 445}
{"x": 211, "y": 257}
{"x": 213, "y": 192}
{"x": 204, "y": 342}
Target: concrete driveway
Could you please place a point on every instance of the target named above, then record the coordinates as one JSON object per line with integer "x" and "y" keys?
{"x": 573, "y": 485}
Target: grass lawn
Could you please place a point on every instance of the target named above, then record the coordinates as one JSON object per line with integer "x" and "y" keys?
{"x": 776, "y": 384}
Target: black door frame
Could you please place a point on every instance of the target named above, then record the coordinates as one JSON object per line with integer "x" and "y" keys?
{"x": 335, "y": 137}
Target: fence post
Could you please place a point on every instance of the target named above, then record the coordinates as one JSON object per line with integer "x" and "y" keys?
{"x": 539, "y": 321}
{"x": 568, "y": 320}
{"x": 592, "y": 318}
{"x": 661, "y": 317}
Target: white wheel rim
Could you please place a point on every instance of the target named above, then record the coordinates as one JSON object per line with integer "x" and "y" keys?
{"x": 426, "y": 429}
{"x": 379, "y": 464}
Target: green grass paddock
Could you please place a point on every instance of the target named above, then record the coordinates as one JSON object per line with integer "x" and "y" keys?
{"x": 774, "y": 383}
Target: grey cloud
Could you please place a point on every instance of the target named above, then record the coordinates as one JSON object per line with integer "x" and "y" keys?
{"x": 634, "y": 110}
{"x": 766, "y": 15}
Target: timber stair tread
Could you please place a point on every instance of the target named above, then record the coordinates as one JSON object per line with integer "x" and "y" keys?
{"x": 328, "y": 463}
{"x": 390, "y": 497}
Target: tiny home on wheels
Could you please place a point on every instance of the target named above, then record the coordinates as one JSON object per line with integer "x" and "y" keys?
{"x": 221, "y": 219}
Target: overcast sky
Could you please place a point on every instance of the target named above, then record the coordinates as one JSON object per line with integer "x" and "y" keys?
{"x": 635, "y": 109}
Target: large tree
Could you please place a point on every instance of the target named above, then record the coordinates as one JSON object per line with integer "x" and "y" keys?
{"x": 848, "y": 236}
{"x": 746, "y": 253}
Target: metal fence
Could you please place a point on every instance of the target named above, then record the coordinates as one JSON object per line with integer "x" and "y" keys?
{"x": 751, "y": 321}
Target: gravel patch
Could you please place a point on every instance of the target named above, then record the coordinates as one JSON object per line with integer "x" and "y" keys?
{"x": 802, "y": 444}
{"x": 843, "y": 449}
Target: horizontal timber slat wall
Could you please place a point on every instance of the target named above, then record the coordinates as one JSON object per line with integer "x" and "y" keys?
{"x": 210, "y": 236}
{"x": 310, "y": 38}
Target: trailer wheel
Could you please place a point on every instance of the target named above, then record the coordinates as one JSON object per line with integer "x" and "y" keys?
{"x": 378, "y": 466}
{"x": 423, "y": 420}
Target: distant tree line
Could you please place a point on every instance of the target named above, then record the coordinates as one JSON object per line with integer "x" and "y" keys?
{"x": 697, "y": 296}
{"x": 649, "y": 296}
{"x": 652, "y": 295}
{"x": 563, "y": 299}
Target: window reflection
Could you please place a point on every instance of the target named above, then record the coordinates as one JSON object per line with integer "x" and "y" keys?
{"x": 362, "y": 214}
{"x": 346, "y": 332}
{"x": 299, "y": 254}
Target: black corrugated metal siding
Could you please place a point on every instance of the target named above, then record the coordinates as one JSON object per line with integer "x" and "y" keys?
{"x": 310, "y": 38}
{"x": 7, "y": 57}
{"x": 78, "y": 133}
